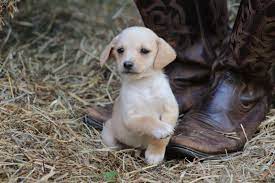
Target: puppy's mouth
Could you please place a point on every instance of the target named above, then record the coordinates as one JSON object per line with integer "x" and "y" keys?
{"x": 129, "y": 72}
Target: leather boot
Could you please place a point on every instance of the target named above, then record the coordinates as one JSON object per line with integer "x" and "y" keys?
{"x": 196, "y": 30}
{"x": 239, "y": 97}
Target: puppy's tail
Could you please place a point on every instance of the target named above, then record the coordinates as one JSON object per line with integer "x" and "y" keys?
{"x": 96, "y": 117}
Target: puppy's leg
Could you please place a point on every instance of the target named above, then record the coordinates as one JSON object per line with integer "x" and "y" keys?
{"x": 156, "y": 148}
{"x": 150, "y": 126}
{"x": 107, "y": 135}
{"x": 155, "y": 151}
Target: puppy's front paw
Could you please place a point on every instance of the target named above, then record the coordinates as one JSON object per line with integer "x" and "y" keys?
{"x": 164, "y": 130}
{"x": 153, "y": 158}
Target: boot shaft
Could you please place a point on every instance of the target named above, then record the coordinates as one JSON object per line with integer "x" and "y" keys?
{"x": 195, "y": 29}
{"x": 186, "y": 23}
{"x": 251, "y": 46}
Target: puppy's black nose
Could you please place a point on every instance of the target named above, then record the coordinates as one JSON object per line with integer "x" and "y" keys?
{"x": 128, "y": 65}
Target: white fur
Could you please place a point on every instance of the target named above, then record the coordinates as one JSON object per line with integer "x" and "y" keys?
{"x": 152, "y": 158}
{"x": 146, "y": 110}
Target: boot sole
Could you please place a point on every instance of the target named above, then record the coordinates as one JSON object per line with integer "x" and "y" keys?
{"x": 176, "y": 151}
{"x": 92, "y": 123}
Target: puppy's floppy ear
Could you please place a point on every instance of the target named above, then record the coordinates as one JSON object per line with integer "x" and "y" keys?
{"x": 105, "y": 55}
{"x": 165, "y": 55}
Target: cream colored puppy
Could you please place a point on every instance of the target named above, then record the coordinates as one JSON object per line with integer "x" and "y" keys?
{"x": 146, "y": 111}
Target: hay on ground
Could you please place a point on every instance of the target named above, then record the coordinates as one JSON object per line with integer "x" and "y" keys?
{"x": 7, "y": 10}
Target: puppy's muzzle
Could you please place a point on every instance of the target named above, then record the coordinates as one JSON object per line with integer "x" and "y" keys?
{"x": 128, "y": 65}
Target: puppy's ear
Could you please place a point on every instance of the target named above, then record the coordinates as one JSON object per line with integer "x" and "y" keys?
{"x": 165, "y": 55}
{"x": 105, "y": 55}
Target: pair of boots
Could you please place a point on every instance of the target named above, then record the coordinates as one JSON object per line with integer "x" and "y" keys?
{"x": 221, "y": 77}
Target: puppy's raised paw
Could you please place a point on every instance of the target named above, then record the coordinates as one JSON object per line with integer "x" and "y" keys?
{"x": 164, "y": 130}
{"x": 153, "y": 158}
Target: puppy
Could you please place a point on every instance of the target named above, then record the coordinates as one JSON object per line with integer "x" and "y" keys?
{"x": 145, "y": 113}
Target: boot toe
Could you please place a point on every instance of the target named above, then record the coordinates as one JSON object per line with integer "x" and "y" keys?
{"x": 222, "y": 123}
{"x": 204, "y": 139}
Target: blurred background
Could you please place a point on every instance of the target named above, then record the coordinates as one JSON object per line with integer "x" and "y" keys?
{"x": 60, "y": 41}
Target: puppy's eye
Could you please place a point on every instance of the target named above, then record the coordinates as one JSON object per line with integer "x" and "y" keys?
{"x": 144, "y": 51}
{"x": 120, "y": 50}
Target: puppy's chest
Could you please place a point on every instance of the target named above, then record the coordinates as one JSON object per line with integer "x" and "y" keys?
{"x": 150, "y": 98}
{"x": 146, "y": 96}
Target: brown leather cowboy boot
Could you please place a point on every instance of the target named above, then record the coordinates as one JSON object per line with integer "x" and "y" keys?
{"x": 239, "y": 97}
{"x": 196, "y": 30}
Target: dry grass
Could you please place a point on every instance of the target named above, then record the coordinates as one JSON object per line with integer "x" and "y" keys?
{"x": 49, "y": 73}
{"x": 7, "y": 10}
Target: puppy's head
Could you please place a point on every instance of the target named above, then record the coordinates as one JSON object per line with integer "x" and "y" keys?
{"x": 138, "y": 50}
